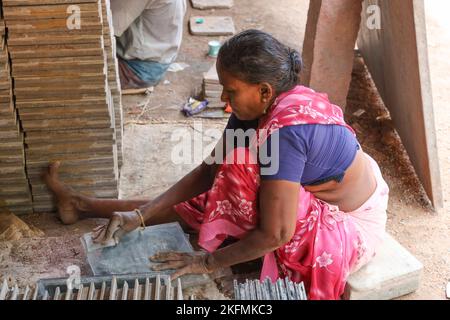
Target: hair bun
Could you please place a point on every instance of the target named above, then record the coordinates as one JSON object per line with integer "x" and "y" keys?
{"x": 296, "y": 61}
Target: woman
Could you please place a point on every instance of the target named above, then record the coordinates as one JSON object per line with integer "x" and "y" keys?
{"x": 316, "y": 219}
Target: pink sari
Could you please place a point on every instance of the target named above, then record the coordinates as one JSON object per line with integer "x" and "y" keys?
{"x": 328, "y": 244}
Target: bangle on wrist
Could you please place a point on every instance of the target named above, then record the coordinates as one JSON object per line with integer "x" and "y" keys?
{"x": 138, "y": 212}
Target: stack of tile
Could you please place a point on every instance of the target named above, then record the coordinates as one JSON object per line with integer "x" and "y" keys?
{"x": 15, "y": 193}
{"x": 113, "y": 75}
{"x": 59, "y": 67}
{"x": 212, "y": 89}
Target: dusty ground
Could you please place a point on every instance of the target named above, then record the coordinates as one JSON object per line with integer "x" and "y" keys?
{"x": 148, "y": 170}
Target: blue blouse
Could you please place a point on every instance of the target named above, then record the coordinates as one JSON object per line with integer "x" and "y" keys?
{"x": 309, "y": 154}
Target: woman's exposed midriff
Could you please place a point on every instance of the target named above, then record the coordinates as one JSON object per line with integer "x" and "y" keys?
{"x": 355, "y": 189}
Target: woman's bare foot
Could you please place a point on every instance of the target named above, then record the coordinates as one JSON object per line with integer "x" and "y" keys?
{"x": 66, "y": 199}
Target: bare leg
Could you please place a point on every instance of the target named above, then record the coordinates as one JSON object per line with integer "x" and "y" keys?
{"x": 73, "y": 206}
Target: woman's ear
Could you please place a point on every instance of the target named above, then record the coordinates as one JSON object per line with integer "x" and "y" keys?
{"x": 266, "y": 92}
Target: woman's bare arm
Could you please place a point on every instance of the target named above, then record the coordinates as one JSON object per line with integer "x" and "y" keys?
{"x": 278, "y": 201}
{"x": 277, "y": 221}
{"x": 193, "y": 184}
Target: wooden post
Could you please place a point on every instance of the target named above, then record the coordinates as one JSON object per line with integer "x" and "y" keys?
{"x": 328, "y": 48}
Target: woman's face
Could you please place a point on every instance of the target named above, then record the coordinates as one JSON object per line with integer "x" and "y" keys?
{"x": 247, "y": 100}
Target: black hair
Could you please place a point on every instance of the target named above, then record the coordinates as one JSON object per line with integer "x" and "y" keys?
{"x": 255, "y": 56}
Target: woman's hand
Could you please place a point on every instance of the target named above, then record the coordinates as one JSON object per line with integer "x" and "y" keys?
{"x": 185, "y": 263}
{"x": 120, "y": 224}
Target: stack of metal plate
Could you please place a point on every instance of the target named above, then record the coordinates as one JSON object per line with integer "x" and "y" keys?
{"x": 212, "y": 4}
{"x": 119, "y": 287}
{"x": 59, "y": 69}
{"x": 212, "y": 89}
{"x": 282, "y": 289}
{"x": 15, "y": 193}
{"x": 113, "y": 75}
